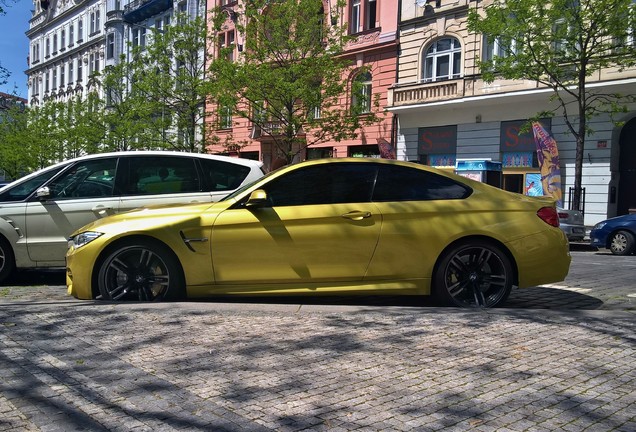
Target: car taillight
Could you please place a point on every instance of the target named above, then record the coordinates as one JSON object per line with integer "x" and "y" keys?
{"x": 549, "y": 215}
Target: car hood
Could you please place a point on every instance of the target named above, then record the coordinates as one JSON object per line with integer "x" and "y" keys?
{"x": 622, "y": 220}
{"x": 146, "y": 218}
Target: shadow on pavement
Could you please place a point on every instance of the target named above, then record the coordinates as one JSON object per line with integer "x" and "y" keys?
{"x": 525, "y": 298}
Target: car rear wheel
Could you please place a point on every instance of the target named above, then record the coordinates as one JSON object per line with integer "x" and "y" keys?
{"x": 7, "y": 260}
{"x": 140, "y": 271}
{"x": 473, "y": 275}
{"x": 622, "y": 243}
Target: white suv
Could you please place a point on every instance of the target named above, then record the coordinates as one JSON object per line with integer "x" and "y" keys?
{"x": 39, "y": 211}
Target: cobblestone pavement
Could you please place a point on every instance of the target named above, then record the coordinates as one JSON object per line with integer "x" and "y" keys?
{"x": 558, "y": 358}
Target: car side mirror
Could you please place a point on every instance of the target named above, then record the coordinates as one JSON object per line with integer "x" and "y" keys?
{"x": 43, "y": 193}
{"x": 258, "y": 198}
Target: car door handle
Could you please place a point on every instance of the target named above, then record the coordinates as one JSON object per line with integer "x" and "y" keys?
{"x": 357, "y": 215}
{"x": 102, "y": 211}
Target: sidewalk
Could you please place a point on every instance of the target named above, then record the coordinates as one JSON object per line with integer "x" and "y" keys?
{"x": 232, "y": 366}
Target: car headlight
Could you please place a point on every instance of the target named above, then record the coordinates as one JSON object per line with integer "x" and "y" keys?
{"x": 83, "y": 239}
{"x": 600, "y": 225}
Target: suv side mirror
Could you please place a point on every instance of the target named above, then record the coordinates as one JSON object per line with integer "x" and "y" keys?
{"x": 43, "y": 193}
{"x": 258, "y": 198}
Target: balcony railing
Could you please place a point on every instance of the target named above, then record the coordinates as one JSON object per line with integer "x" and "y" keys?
{"x": 139, "y": 10}
{"x": 418, "y": 93}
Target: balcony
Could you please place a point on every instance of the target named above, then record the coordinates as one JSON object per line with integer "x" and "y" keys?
{"x": 420, "y": 93}
{"x": 140, "y": 10}
{"x": 269, "y": 130}
{"x": 114, "y": 17}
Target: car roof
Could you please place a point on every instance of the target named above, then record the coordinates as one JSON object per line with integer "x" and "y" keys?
{"x": 239, "y": 161}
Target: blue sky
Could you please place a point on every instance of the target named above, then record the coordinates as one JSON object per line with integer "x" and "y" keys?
{"x": 14, "y": 45}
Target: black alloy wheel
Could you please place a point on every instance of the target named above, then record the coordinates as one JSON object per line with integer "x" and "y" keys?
{"x": 473, "y": 275}
{"x": 140, "y": 271}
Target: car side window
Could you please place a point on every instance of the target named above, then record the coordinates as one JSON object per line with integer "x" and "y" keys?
{"x": 87, "y": 179}
{"x": 222, "y": 176}
{"x": 161, "y": 175}
{"x": 323, "y": 184}
{"x": 399, "y": 183}
{"x": 24, "y": 189}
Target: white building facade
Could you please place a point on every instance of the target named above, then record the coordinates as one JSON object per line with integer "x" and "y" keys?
{"x": 446, "y": 112}
{"x": 72, "y": 41}
{"x": 66, "y": 48}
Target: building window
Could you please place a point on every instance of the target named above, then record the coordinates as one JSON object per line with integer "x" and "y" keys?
{"x": 362, "y": 15}
{"x": 442, "y": 60}
{"x": 71, "y": 35}
{"x": 95, "y": 24}
{"x": 361, "y": 91}
{"x": 110, "y": 46}
{"x": 54, "y": 44}
{"x": 47, "y": 82}
{"x": 93, "y": 66}
{"x": 497, "y": 47}
{"x": 79, "y": 70}
{"x": 225, "y": 117}
{"x": 227, "y": 45}
{"x": 54, "y": 80}
{"x": 139, "y": 38}
{"x": 70, "y": 71}
{"x": 80, "y": 30}
{"x": 47, "y": 49}
{"x": 63, "y": 40}
{"x": 62, "y": 75}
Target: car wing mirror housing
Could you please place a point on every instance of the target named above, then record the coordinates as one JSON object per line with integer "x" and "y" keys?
{"x": 258, "y": 198}
{"x": 43, "y": 193}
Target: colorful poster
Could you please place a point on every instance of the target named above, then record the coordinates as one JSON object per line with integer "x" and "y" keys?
{"x": 533, "y": 186}
{"x": 548, "y": 157}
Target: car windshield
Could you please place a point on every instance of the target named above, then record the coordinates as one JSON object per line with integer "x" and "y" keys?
{"x": 23, "y": 189}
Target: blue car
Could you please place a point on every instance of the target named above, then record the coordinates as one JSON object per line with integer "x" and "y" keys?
{"x": 617, "y": 234}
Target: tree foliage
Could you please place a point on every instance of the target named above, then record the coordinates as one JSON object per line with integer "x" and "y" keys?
{"x": 289, "y": 79}
{"x": 562, "y": 44}
{"x": 169, "y": 87}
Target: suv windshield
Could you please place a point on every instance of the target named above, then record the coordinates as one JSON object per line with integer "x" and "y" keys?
{"x": 24, "y": 189}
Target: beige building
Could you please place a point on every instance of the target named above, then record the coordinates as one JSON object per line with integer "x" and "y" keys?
{"x": 446, "y": 112}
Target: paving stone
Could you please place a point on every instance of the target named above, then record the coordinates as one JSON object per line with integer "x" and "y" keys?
{"x": 555, "y": 358}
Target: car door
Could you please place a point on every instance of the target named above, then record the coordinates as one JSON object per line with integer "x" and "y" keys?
{"x": 421, "y": 212}
{"x": 159, "y": 180}
{"x": 84, "y": 192}
{"x": 319, "y": 225}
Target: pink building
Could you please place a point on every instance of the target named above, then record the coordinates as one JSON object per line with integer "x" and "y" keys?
{"x": 374, "y": 23}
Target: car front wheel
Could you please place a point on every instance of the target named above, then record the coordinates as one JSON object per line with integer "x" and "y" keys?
{"x": 7, "y": 260}
{"x": 622, "y": 243}
{"x": 140, "y": 271}
{"x": 473, "y": 275}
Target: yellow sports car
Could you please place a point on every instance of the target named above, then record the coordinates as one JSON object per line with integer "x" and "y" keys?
{"x": 346, "y": 226}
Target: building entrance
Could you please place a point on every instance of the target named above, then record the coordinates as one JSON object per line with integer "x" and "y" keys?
{"x": 627, "y": 168}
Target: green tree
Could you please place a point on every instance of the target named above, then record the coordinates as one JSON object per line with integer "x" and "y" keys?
{"x": 13, "y": 158}
{"x": 561, "y": 44}
{"x": 290, "y": 79}
{"x": 170, "y": 80}
{"x": 128, "y": 114}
